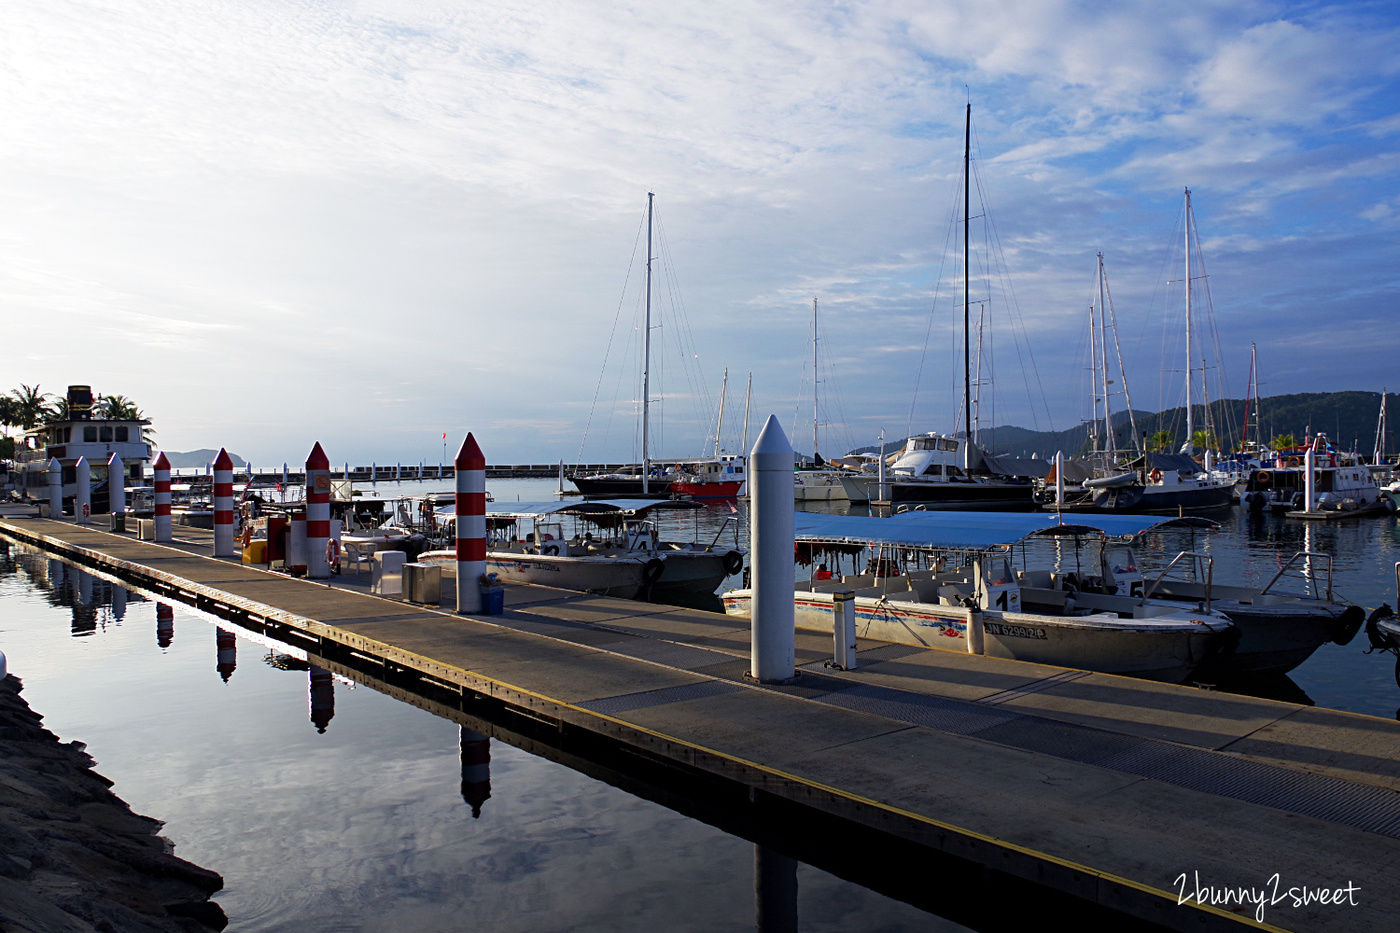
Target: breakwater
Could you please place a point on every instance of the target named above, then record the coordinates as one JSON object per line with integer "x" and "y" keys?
{"x": 73, "y": 856}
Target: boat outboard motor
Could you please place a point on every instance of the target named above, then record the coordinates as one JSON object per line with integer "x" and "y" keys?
{"x": 1380, "y": 641}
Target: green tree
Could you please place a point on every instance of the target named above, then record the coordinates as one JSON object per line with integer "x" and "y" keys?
{"x": 117, "y": 408}
{"x": 30, "y": 406}
{"x": 1282, "y": 442}
{"x": 1160, "y": 441}
{"x": 1204, "y": 439}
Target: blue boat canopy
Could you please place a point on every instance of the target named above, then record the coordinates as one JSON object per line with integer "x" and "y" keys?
{"x": 973, "y": 531}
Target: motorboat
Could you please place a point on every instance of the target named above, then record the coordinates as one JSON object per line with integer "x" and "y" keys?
{"x": 942, "y": 472}
{"x": 931, "y": 577}
{"x": 1341, "y": 483}
{"x": 609, "y": 547}
{"x": 1154, "y": 484}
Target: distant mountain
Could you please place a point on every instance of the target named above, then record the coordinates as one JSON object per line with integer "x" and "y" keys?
{"x": 198, "y": 458}
{"x": 1347, "y": 418}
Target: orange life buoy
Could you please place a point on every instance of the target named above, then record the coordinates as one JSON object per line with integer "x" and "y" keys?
{"x": 333, "y": 552}
{"x": 1156, "y": 476}
{"x": 1262, "y": 478}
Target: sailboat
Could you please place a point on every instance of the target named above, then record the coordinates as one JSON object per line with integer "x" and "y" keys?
{"x": 939, "y": 471}
{"x": 1162, "y": 483}
{"x": 817, "y": 483}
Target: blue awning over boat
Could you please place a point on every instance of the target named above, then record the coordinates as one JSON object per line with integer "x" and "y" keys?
{"x": 975, "y": 531}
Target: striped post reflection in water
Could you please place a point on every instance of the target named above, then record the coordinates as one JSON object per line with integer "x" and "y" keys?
{"x": 476, "y": 769}
{"x": 226, "y": 653}
{"x": 322, "y": 696}
{"x": 165, "y": 625}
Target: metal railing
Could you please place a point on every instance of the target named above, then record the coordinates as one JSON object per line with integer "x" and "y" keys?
{"x": 1307, "y": 571}
{"x": 1202, "y": 560}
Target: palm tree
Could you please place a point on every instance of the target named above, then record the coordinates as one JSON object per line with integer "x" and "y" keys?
{"x": 1160, "y": 441}
{"x": 30, "y": 405}
{"x": 1204, "y": 440}
{"x": 118, "y": 408}
{"x": 1282, "y": 442}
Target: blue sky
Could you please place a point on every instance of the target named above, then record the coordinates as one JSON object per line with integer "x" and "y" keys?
{"x": 276, "y": 222}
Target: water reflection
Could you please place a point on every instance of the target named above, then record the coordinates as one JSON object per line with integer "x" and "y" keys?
{"x": 226, "y": 653}
{"x": 165, "y": 625}
{"x": 322, "y": 697}
{"x": 476, "y": 769}
{"x": 774, "y": 891}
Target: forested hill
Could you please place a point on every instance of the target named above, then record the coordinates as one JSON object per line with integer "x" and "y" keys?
{"x": 1347, "y": 418}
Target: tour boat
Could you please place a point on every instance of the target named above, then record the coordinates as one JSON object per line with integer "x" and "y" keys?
{"x": 82, "y": 434}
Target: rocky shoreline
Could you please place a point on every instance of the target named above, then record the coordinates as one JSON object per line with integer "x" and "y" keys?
{"x": 74, "y": 858}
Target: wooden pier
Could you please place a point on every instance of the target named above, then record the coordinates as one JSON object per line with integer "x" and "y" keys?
{"x": 1106, "y": 797}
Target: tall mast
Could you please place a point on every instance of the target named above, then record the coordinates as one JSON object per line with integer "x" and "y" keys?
{"x": 1093, "y": 385}
{"x": 748, "y": 397}
{"x": 719, "y": 428}
{"x": 1378, "y": 456}
{"x": 967, "y": 349}
{"x": 1249, "y": 402}
{"x": 1109, "y": 445}
{"x": 646, "y": 364}
{"x": 1189, "y": 446}
{"x": 816, "y": 458}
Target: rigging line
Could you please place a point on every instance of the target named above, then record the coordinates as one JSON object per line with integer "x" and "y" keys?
{"x": 611, "y": 335}
{"x": 951, "y": 231}
{"x": 1019, "y": 331}
{"x": 684, "y": 338}
{"x": 1122, "y": 373}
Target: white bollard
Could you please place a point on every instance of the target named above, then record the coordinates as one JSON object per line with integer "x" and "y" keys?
{"x": 318, "y": 513}
{"x": 116, "y": 485}
{"x": 1059, "y": 481}
{"x": 55, "y": 489}
{"x": 471, "y": 526}
{"x": 771, "y": 540}
{"x": 223, "y": 504}
{"x": 976, "y": 633}
{"x": 843, "y": 604}
{"x": 82, "y": 499}
{"x": 164, "y": 533}
{"x": 1309, "y": 492}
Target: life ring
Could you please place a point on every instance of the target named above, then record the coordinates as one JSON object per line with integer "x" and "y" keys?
{"x": 1156, "y": 476}
{"x": 733, "y": 562}
{"x": 1293, "y": 461}
{"x": 333, "y": 553}
{"x": 653, "y": 570}
{"x": 1262, "y": 479}
{"x": 551, "y": 550}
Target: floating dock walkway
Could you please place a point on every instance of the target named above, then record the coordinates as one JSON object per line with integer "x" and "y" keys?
{"x": 1096, "y": 797}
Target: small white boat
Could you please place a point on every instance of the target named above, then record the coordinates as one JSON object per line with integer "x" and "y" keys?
{"x": 966, "y": 580}
{"x": 611, "y": 549}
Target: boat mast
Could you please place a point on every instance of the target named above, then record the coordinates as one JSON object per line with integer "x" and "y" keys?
{"x": 1093, "y": 385}
{"x": 816, "y": 457}
{"x": 748, "y": 397}
{"x": 646, "y": 364}
{"x": 967, "y": 349}
{"x": 1249, "y": 403}
{"x": 1189, "y": 446}
{"x": 719, "y": 428}
{"x": 1379, "y": 454}
{"x": 1109, "y": 445}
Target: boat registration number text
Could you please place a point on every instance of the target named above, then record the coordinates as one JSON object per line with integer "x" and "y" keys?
{"x": 1014, "y": 631}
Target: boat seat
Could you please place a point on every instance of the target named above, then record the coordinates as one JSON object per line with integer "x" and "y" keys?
{"x": 952, "y": 594}
{"x": 1036, "y": 579}
{"x": 1042, "y": 596}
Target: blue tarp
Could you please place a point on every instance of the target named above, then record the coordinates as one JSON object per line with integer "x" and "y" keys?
{"x": 969, "y": 530}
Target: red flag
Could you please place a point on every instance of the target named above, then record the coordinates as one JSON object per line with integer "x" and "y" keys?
{"x": 444, "y": 435}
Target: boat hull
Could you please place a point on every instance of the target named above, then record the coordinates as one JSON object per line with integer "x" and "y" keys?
{"x": 1169, "y": 652}
{"x": 955, "y": 496}
{"x": 721, "y": 490}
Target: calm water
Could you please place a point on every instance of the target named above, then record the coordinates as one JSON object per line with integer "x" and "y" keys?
{"x": 330, "y": 806}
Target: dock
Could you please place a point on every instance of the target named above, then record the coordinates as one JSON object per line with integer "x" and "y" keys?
{"x": 1101, "y": 798}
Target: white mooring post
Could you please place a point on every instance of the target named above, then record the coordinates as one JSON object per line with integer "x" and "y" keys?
{"x": 318, "y": 513}
{"x": 55, "y": 489}
{"x": 1309, "y": 490}
{"x": 1059, "y": 481}
{"x": 470, "y": 466}
{"x": 771, "y": 540}
{"x": 843, "y": 604}
{"x": 82, "y": 499}
{"x": 164, "y": 533}
{"x": 116, "y": 485}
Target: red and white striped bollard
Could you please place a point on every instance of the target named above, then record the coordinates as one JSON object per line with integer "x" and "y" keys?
{"x": 223, "y": 504}
{"x": 318, "y": 513}
{"x": 164, "y": 534}
{"x": 471, "y": 526}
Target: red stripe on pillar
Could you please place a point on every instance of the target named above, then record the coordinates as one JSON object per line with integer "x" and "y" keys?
{"x": 318, "y": 529}
{"x": 471, "y": 549}
{"x": 223, "y": 518}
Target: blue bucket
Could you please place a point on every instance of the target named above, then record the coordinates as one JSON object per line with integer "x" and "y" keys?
{"x": 493, "y": 600}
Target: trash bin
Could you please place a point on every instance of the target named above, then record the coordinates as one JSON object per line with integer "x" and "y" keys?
{"x": 119, "y": 521}
{"x": 493, "y": 600}
{"x": 422, "y": 583}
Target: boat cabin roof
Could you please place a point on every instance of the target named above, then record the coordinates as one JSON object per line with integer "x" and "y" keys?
{"x": 977, "y": 531}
